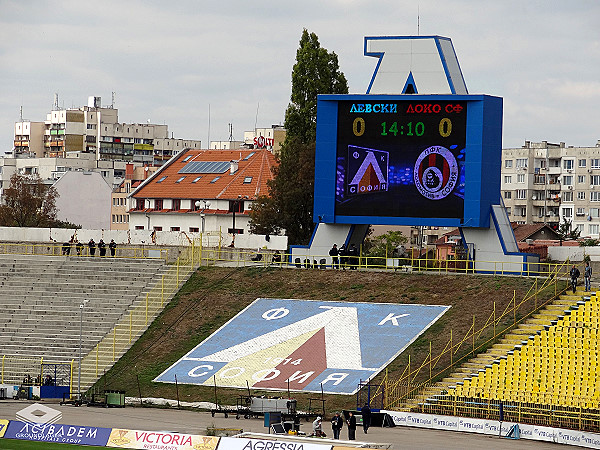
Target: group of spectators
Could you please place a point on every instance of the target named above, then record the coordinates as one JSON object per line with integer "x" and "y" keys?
{"x": 112, "y": 246}
{"x": 344, "y": 257}
{"x": 337, "y": 423}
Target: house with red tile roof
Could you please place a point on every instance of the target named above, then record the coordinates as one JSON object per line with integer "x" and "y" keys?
{"x": 202, "y": 191}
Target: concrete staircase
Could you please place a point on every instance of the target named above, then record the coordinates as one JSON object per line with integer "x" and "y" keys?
{"x": 40, "y": 298}
{"x": 514, "y": 339}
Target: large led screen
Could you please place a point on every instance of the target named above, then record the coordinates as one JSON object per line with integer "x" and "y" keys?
{"x": 398, "y": 159}
{"x": 408, "y": 159}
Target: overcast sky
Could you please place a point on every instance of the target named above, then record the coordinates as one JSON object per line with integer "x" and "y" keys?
{"x": 168, "y": 61}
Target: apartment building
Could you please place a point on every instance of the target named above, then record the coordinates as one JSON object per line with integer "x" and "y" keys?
{"x": 96, "y": 129}
{"x": 546, "y": 183}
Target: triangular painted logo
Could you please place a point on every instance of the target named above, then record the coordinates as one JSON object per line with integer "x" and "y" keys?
{"x": 410, "y": 87}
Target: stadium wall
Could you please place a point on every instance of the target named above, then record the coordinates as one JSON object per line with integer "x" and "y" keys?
{"x": 495, "y": 428}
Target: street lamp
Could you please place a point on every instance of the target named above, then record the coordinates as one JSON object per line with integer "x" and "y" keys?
{"x": 81, "y": 306}
{"x": 206, "y": 205}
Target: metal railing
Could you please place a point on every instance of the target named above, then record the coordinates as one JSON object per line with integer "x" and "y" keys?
{"x": 135, "y": 321}
{"x": 476, "y": 339}
{"x": 269, "y": 258}
{"x": 131, "y": 252}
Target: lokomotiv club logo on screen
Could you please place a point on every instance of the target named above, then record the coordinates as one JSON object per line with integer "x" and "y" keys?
{"x": 367, "y": 170}
{"x": 435, "y": 173}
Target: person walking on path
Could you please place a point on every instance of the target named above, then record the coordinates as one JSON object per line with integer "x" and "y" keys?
{"x": 574, "y": 273}
{"x": 351, "y": 427}
{"x": 587, "y": 276}
{"x": 113, "y": 247}
{"x": 102, "y": 248}
{"x": 335, "y": 258}
{"x": 336, "y": 425}
{"x": 366, "y": 416}
{"x": 92, "y": 247}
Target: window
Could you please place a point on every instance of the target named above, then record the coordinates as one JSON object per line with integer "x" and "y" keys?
{"x": 568, "y": 164}
{"x": 521, "y": 194}
{"x": 174, "y": 228}
{"x": 567, "y": 196}
{"x": 521, "y": 178}
{"x": 521, "y": 211}
{"x": 508, "y": 163}
{"x": 214, "y": 180}
{"x": 507, "y": 179}
{"x": 247, "y": 180}
{"x": 581, "y": 162}
{"x": 196, "y": 179}
{"x": 114, "y": 219}
{"x": 581, "y": 195}
{"x": 567, "y": 180}
{"x": 157, "y": 228}
{"x": 162, "y": 179}
{"x": 139, "y": 204}
{"x": 194, "y": 230}
{"x": 579, "y": 228}
{"x": 176, "y": 204}
{"x": 580, "y": 212}
{"x": 139, "y": 227}
{"x": 521, "y": 162}
{"x": 594, "y": 196}
{"x": 594, "y": 212}
{"x": 508, "y": 211}
{"x": 114, "y": 202}
{"x": 595, "y": 163}
{"x": 593, "y": 228}
{"x": 594, "y": 180}
{"x": 507, "y": 194}
{"x": 180, "y": 180}
{"x": 158, "y": 203}
{"x": 187, "y": 158}
{"x": 567, "y": 212}
{"x": 581, "y": 178}
{"x": 237, "y": 205}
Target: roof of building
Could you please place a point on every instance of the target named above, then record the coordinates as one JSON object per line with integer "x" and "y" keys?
{"x": 523, "y": 232}
{"x": 206, "y": 174}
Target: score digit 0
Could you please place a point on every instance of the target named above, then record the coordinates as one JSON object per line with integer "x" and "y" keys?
{"x": 445, "y": 127}
{"x": 358, "y": 126}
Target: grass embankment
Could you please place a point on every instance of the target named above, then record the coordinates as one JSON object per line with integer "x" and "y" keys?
{"x": 214, "y": 295}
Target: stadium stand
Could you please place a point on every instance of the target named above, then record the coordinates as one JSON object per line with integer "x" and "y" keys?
{"x": 41, "y": 298}
{"x": 552, "y": 359}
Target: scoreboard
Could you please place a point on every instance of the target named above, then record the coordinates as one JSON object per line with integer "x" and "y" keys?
{"x": 408, "y": 159}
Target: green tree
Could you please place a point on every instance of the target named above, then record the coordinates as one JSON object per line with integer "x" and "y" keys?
{"x": 384, "y": 244}
{"x": 289, "y": 205}
{"x": 28, "y": 202}
{"x": 567, "y": 232}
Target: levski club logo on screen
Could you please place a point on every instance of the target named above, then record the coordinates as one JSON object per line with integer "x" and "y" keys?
{"x": 367, "y": 170}
{"x": 436, "y": 173}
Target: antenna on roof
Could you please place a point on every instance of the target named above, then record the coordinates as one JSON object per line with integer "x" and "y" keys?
{"x": 55, "y": 106}
{"x": 230, "y": 132}
{"x": 418, "y": 22}
{"x": 208, "y": 139}
{"x": 256, "y": 118}
{"x": 21, "y": 113}
{"x": 112, "y": 102}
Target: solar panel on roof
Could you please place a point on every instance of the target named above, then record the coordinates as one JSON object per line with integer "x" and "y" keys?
{"x": 205, "y": 167}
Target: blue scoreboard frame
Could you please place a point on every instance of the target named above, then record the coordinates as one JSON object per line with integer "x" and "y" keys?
{"x": 431, "y": 160}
